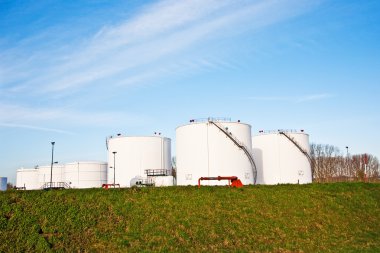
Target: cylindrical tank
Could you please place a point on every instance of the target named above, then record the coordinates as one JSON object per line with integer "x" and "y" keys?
{"x": 135, "y": 154}
{"x": 3, "y": 183}
{"x": 85, "y": 174}
{"x": 282, "y": 157}
{"x": 27, "y": 179}
{"x": 44, "y": 174}
{"x": 204, "y": 149}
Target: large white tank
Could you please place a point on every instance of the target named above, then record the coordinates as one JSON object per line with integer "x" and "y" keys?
{"x": 85, "y": 174}
{"x": 44, "y": 174}
{"x": 282, "y": 157}
{"x": 27, "y": 178}
{"x": 3, "y": 183}
{"x": 212, "y": 148}
{"x": 134, "y": 155}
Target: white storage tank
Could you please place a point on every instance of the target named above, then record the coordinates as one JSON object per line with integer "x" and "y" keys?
{"x": 282, "y": 157}
{"x": 44, "y": 174}
{"x": 27, "y": 179}
{"x": 3, "y": 183}
{"x": 214, "y": 147}
{"x": 136, "y": 154}
{"x": 85, "y": 174}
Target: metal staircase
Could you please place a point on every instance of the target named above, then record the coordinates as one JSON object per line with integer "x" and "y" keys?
{"x": 238, "y": 143}
{"x": 297, "y": 145}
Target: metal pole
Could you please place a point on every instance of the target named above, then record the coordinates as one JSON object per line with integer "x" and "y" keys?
{"x": 114, "y": 165}
{"x": 52, "y": 159}
{"x": 347, "y": 165}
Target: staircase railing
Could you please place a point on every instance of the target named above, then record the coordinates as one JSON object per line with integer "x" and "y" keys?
{"x": 55, "y": 185}
{"x": 157, "y": 172}
{"x": 297, "y": 145}
{"x": 240, "y": 144}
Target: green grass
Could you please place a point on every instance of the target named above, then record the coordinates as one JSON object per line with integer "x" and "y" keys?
{"x": 340, "y": 217}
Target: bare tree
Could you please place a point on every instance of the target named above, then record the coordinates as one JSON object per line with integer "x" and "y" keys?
{"x": 325, "y": 162}
{"x": 329, "y": 165}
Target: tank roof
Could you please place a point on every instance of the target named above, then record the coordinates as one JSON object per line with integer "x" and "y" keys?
{"x": 217, "y": 119}
{"x": 287, "y": 131}
{"x": 91, "y": 162}
{"x": 137, "y": 136}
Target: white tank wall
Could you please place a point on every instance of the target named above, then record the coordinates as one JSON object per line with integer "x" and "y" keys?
{"x": 203, "y": 150}
{"x": 135, "y": 155}
{"x": 279, "y": 161}
{"x": 83, "y": 174}
{"x": 3, "y": 183}
{"x": 27, "y": 178}
{"x": 44, "y": 173}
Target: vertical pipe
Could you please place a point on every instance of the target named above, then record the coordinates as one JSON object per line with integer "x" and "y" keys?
{"x": 78, "y": 177}
{"x": 162, "y": 153}
{"x": 51, "y": 167}
{"x": 114, "y": 169}
{"x": 208, "y": 151}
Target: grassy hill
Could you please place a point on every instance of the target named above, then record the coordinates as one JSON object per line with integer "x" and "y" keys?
{"x": 341, "y": 217}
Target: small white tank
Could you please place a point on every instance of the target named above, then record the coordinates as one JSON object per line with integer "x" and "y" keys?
{"x": 85, "y": 174}
{"x": 27, "y": 179}
{"x": 44, "y": 174}
{"x": 136, "y": 154}
{"x": 211, "y": 148}
{"x": 161, "y": 181}
{"x": 282, "y": 157}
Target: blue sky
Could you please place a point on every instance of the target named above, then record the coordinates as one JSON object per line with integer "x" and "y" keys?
{"x": 75, "y": 72}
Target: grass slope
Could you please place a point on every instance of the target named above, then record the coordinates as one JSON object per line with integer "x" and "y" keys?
{"x": 341, "y": 217}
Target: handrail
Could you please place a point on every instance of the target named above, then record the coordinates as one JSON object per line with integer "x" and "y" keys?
{"x": 157, "y": 172}
{"x": 297, "y": 145}
{"x": 240, "y": 145}
{"x": 55, "y": 185}
{"x": 199, "y": 120}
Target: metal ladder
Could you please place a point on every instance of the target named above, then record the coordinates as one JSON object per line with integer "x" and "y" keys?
{"x": 297, "y": 145}
{"x": 238, "y": 143}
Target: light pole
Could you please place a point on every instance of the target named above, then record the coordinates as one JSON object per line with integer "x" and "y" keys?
{"x": 52, "y": 159}
{"x": 114, "y": 165}
{"x": 347, "y": 165}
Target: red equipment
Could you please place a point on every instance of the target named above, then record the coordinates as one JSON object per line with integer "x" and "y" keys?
{"x": 106, "y": 186}
{"x": 232, "y": 181}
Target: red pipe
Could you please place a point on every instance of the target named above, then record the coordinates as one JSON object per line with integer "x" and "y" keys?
{"x": 232, "y": 178}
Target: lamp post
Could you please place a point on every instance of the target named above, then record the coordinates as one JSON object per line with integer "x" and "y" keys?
{"x": 347, "y": 165}
{"x": 52, "y": 159}
{"x": 114, "y": 165}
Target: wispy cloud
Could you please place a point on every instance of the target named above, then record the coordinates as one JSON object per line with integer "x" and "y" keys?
{"x": 314, "y": 97}
{"x": 33, "y": 118}
{"x": 293, "y": 99}
{"x": 37, "y": 128}
{"x": 166, "y": 38}
{"x": 128, "y": 50}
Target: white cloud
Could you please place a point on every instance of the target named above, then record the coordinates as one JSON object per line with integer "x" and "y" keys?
{"x": 158, "y": 32}
{"x": 293, "y": 99}
{"x": 37, "y": 128}
{"x": 314, "y": 97}
{"x": 33, "y": 118}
